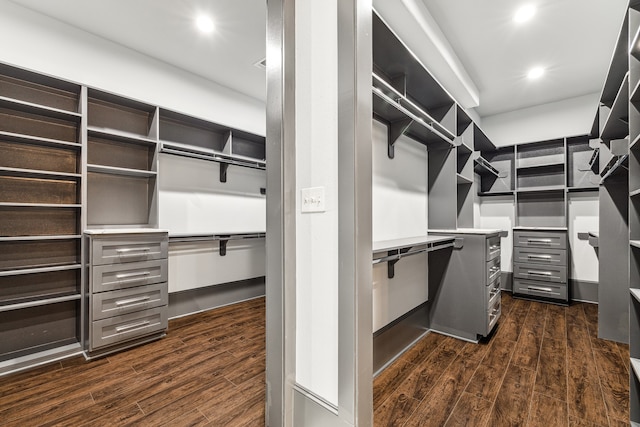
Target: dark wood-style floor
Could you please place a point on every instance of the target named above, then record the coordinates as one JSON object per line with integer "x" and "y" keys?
{"x": 209, "y": 370}
{"x": 544, "y": 366}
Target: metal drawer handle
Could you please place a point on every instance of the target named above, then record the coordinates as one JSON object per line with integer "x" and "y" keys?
{"x": 539, "y": 289}
{"x": 495, "y": 312}
{"x": 129, "y": 275}
{"x": 493, "y": 293}
{"x": 132, "y": 326}
{"x": 132, "y": 300}
{"x": 494, "y": 269}
{"x": 539, "y": 256}
{"x": 494, "y": 247}
{"x": 539, "y": 273}
{"x": 132, "y": 252}
{"x": 545, "y": 241}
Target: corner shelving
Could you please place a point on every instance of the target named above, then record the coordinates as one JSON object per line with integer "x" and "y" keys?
{"x": 496, "y": 168}
{"x": 616, "y": 124}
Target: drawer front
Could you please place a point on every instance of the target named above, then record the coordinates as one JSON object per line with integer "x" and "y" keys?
{"x": 493, "y": 270}
{"x": 540, "y": 256}
{"x": 493, "y": 314}
{"x": 493, "y": 248}
{"x": 122, "y": 276}
{"x": 548, "y": 290}
{"x": 128, "y": 249}
{"x": 115, "y": 303}
{"x": 492, "y": 292}
{"x": 546, "y": 273}
{"x": 540, "y": 239}
{"x": 129, "y": 326}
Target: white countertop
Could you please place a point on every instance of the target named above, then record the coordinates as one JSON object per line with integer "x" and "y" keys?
{"x": 481, "y": 231}
{"x": 106, "y": 231}
{"x": 389, "y": 245}
{"x": 541, "y": 228}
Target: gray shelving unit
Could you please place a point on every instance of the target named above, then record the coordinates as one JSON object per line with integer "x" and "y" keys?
{"x": 41, "y": 207}
{"x": 633, "y": 296}
{"x": 121, "y": 162}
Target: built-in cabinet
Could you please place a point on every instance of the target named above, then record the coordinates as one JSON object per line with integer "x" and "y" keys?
{"x": 74, "y": 160}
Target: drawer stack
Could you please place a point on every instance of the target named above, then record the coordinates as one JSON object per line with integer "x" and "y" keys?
{"x": 492, "y": 295}
{"x": 128, "y": 292}
{"x": 540, "y": 267}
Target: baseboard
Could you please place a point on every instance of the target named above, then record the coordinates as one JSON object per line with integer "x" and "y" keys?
{"x": 203, "y": 299}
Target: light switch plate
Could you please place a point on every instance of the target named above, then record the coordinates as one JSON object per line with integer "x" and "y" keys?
{"x": 312, "y": 199}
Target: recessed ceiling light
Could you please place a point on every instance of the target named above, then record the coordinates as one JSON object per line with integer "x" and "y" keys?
{"x": 204, "y": 24}
{"x": 535, "y": 73}
{"x": 524, "y": 13}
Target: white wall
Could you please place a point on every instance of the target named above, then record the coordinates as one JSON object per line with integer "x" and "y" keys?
{"x": 570, "y": 117}
{"x": 317, "y": 166}
{"x": 499, "y": 213}
{"x": 399, "y": 210}
{"x": 37, "y": 42}
{"x": 583, "y": 217}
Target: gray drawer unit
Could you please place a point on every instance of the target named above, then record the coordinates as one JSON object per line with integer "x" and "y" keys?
{"x": 540, "y": 265}
{"x": 534, "y": 288}
{"x": 545, "y": 273}
{"x": 464, "y": 284}
{"x": 127, "y": 288}
{"x": 540, "y": 256}
{"x": 115, "y": 303}
{"x": 540, "y": 239}
{"x": 121, "y": 249}
{"x": 117, "y": 329}
{"x": 121, "y": 276}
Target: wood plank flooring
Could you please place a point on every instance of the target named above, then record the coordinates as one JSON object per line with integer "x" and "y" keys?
{"x": 544, "y": 366}
{"x": 209, "y": 370}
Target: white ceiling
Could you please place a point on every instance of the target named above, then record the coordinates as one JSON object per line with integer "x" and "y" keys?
{"x": 164, "y": 29}
{"x": 572, "y": 38}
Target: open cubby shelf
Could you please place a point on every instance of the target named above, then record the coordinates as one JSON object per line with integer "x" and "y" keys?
{"x": 120, "y": 136}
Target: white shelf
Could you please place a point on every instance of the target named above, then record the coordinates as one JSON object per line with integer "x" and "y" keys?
{"x": 541, "y": 189}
